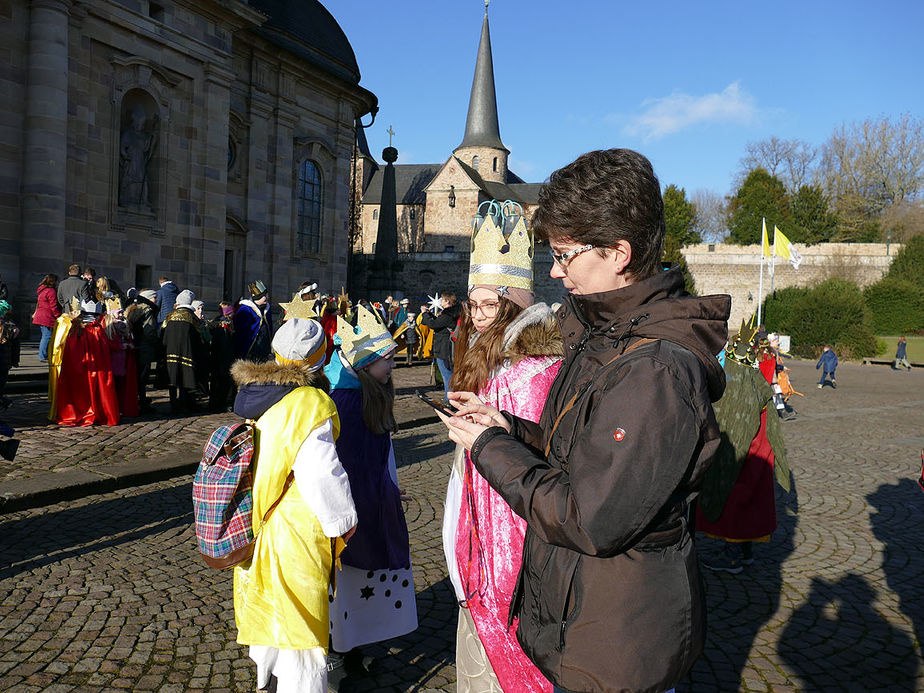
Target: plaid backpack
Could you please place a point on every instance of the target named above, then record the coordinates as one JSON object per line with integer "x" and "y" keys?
{"x": 223, "y": 497}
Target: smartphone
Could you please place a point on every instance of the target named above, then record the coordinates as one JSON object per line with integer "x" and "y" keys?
{"x": 439, "y": 406}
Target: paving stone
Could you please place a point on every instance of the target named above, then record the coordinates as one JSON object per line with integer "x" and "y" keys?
{"x": 107, "y": 593}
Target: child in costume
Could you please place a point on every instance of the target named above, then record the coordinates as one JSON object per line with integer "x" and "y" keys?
{"x": 375, "y": 597}
{"x": 509, "y": 351}
{"x": 281, "y": 594}
{"x": 9, "y": 349}
{"x": 737, "y": 503}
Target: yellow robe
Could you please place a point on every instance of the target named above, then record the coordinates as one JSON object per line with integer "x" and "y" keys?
{"x": 56, "y": 353}
{"x": 281, "y": 595}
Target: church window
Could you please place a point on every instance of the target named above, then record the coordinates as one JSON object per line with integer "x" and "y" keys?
{"x": 475, "y": 162}
{"x": 495, "y": 163}
{"x": 309, "y": 208}
{"x": 413, "y": 213}
{"x": 375, "y": 214}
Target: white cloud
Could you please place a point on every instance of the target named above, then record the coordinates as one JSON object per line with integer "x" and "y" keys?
{"x": 679, "y": 111}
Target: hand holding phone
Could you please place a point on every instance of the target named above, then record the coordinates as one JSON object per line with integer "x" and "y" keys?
{"x": 439, "y": 406}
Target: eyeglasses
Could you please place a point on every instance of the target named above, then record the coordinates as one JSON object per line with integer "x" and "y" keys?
{"x": 488, "y": 310}
{"x": 564, "y": 258}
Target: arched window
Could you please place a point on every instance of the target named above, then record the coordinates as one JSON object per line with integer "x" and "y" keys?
{"x": 475, "y": 162}
{"x": 495, "y": 163}
{"x": 375, "y": 214}
{"x": 309, "y": 208}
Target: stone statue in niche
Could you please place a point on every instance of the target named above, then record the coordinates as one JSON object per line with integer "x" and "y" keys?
{"x": 136, "y": 147}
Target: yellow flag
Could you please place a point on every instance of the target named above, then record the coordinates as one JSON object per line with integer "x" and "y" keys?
{"x": 783, "y": 247}
{"x": 763, "y": 239}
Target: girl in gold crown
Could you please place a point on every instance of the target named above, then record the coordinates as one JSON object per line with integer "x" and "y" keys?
{"x": 508, "y": 351}
{"x": 375, "y": 597}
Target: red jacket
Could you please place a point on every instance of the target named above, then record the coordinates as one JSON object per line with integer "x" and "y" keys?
{"x": 46, "y": 309}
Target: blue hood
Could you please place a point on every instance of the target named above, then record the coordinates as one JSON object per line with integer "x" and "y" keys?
{"x": 340, "y": 378}
{"x": 252, "y": 401}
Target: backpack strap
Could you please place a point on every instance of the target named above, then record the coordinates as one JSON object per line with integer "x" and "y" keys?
{"x": 571, "y": 402}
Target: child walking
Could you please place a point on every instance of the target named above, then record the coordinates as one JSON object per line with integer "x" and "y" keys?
{"x": 828, "y": 361}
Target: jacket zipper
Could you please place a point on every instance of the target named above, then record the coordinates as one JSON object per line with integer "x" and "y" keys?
{"x": 564, "y": 614}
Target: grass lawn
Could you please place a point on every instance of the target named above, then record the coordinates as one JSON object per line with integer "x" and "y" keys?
{"x": 915, "y": 348}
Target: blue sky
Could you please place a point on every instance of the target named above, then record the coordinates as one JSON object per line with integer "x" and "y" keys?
{"x": 688, "y": 84}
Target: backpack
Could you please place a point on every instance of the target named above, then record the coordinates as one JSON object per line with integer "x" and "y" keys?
{"x": 223, "y": 497}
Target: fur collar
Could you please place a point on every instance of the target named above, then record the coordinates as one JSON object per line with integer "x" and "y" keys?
{"x": 272, "y": 373}
{"x": 534, "y": 332}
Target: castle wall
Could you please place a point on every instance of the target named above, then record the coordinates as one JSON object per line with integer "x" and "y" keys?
{"x": 735, "y": 269}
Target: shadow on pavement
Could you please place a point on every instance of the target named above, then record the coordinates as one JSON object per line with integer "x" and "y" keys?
{"x": 738, "y": 606}
{"x": 899, "y": 524}
{"x": 32, "y": 542}
{"x": 838, "y": 641}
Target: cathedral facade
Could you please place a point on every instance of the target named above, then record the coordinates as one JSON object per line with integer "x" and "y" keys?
{"x": 210, "y": 141}
{"x": 435, "y": 203}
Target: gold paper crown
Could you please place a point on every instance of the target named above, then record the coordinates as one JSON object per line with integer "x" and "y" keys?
{"x": 113, "y": 304}
{"x": 502, "y": 256}
{"x": 297, "y": 308}
{"x": 75, "y": 305}
{"x": 366, "y": 342}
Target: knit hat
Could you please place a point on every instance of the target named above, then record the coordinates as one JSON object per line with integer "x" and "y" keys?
{"x": 300, "y": 342}
{"x": 149, "y": 294}
{"x": 405, "y": 301}
{"x": 185, "y": 298}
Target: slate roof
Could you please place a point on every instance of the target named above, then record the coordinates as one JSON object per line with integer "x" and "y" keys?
{"x": 306, "y": 29}
{"x": 481, "y": 126}
{"x": 410, "y": 181}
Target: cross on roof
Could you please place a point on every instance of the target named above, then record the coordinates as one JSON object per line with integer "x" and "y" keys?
{"x": 391, "y": 133}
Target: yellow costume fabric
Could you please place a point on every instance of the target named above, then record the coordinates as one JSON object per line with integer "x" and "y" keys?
{"x": 281, "y": 596}
{"x": 56, "y": 353}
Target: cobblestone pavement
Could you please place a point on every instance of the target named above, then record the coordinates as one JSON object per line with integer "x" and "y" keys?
{"x": 107, "y": 593}
{"x": 46, "y": 447}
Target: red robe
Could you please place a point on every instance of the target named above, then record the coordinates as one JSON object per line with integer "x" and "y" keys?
{"x": 750, "y": 511}
{"x": 86, "y": 389}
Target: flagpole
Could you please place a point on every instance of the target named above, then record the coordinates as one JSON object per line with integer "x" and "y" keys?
{"x": 760, "y": 289}
{"x": 773, "y": 260}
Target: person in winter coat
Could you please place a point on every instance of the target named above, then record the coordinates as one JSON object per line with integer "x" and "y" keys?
{"x": 901, "y": 354}
{"x": 828, "y": 364}
{"x": 73, "y": 286}
{"x": 442, "y": 326}
{"x": 509, "y": 351}
{"x": 9, "y": 349}
{"x": 281, "y": 594}
{"x": 47, "y": 311}
{"x": 141, "y": 317}
{"x": 610, "y": 597}
{"x": 166, "y": 299}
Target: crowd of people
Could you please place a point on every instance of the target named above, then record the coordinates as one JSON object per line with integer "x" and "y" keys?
{"x": 585, "y": 433}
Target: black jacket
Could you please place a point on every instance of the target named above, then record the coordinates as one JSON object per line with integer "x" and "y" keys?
{"x": 609, "y": 596}
{"x": 442, "y": 325}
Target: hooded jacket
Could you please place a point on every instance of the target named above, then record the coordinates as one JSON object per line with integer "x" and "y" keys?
{"x": 442, "y": 325}
{"x": 609, "y": 597}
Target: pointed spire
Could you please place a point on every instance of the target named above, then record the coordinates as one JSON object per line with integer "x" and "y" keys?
{"x": 481, "y": 127}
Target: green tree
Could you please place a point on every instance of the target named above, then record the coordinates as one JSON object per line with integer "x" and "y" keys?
{"x": 810, "y": 220}
{"x": 909, "y": 263}
{"x": 761, "y": 196}
{"x": 897, "y": 306}
{"x": 679, "y": 218}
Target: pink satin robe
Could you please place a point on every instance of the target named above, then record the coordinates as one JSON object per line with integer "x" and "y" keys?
{"x": 489, "y": 550}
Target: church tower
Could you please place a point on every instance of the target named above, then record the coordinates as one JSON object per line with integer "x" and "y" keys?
{"x": 481, "y": 146}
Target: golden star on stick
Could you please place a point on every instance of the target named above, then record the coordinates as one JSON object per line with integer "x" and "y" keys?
{"x": 299, "y": 309}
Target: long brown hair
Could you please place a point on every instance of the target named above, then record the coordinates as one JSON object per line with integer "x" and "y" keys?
{"x": 378, "y": 403}
{"x": 474, "y": 363}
